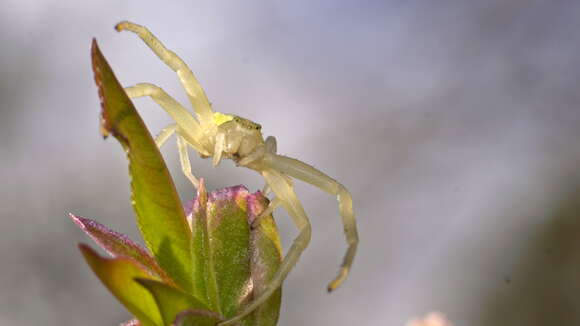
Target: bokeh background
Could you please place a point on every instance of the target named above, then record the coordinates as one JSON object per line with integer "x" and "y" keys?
{"x": 455, "y": 125}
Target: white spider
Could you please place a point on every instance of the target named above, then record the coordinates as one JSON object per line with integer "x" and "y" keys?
{"x": 219, "y": 135}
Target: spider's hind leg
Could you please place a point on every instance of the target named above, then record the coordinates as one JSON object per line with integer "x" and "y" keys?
{"x": 311, "y": 175}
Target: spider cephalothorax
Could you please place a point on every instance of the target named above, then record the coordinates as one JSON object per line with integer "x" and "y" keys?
{"x": 241, "y": 137}
{"x": 218, "y": 135}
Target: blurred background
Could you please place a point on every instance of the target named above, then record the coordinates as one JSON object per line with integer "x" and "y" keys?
{"x": 455, "y": 125}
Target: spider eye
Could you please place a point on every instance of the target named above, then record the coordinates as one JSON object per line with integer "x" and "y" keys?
{"x": 248, "y": 124}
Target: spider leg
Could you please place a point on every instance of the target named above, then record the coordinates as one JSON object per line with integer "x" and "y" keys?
{"x": 271, "y": 145}
{"x": 258, "y": 153}
{"x": 309, "y": 174}
{"x": 255, "y": 155}
{"x": 188, "y": 127}
{"x": 164, "y": 134}
{"x": 184, "y": 160}
{"x": 220, "y": 145}
{"x": 285, "y": 194}
{"x": 274, "y": 203}
{"x": 185, "y": 126}
{"x": 191, "y": 85}
{"x": 182, "y": 149}
{"x": 266, "y": 190}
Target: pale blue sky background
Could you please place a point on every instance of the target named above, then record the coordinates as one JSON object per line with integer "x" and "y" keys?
{"x": 453, "y": 123}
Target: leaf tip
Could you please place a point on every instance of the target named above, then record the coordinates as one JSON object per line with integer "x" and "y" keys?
{"x": 94, "y": 45}
{"x": 89, "y": 253}
{"x": 202, "y": 194}
{"x": 98, "y": 61}
{"x": 79, "y": 221}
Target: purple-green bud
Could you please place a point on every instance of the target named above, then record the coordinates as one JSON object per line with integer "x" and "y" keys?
{"x": 233, "y": 257}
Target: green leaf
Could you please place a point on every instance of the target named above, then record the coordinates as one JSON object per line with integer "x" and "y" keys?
{"x": 160, "y": 215}
{"x": 118, "y": 275}
{"x": 229, "y": 234}
{"x": 170, "y": 301}
{"x": 204, "y": 279}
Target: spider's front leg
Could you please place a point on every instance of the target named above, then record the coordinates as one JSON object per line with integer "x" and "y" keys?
{"x": 185, "y": 162}
{"x": 191, "y": 85}
{"x": 164, "y": 134}
{"x": 192, "y": 128}
{"x": 188, "y": 127}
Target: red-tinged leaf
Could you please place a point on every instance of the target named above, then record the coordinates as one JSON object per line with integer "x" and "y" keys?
{"x": 170, "y": 300}
{"x": 119, "y": 245}
{"x": 198, "y": 317}
{"x": 118, "y": 275}
{"x": 132, "y": 322}
{"x": 160, "y": 215}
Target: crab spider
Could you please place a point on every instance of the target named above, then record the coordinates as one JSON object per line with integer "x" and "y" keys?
{"x": 221, "y": 136}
